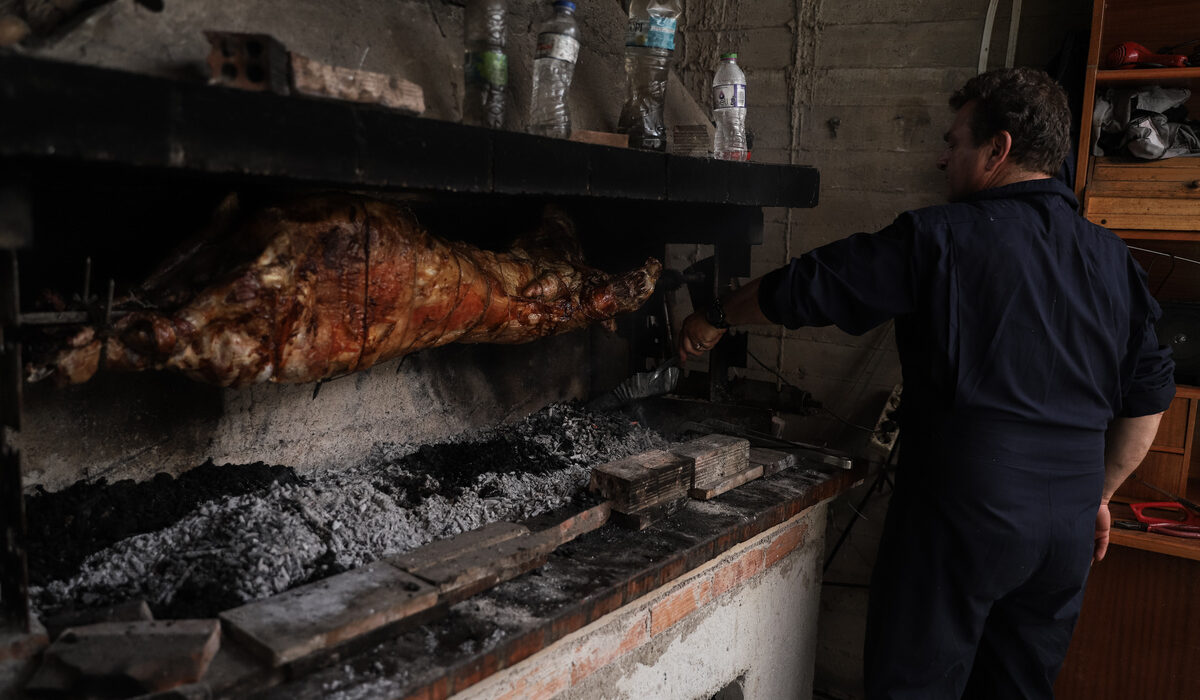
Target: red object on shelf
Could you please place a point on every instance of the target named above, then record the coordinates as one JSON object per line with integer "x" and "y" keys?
{"x": 1130, "y": 55}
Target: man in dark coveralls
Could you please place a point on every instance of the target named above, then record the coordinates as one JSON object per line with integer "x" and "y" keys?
{"x": 1033, "y": 386}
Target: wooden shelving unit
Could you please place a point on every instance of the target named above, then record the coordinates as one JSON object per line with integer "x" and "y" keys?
{"x": 1142, "y": 76}
{"x": 1154, "y": 205}
{"x": 1144, "y": 589}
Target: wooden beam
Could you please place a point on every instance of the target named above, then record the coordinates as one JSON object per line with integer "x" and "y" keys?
{"x": 298, "y": 622}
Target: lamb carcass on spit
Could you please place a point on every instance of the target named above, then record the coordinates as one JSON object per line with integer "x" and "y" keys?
{"x": 327, "y": 285}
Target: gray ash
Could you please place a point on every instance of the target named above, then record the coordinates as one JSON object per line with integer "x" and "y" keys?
{"x": 66, "y": 526}
{"x": 546, "y": 442}
{"x": 238, "y": 548}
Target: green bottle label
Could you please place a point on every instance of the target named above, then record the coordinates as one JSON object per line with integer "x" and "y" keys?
{"x": 489, "y": 67}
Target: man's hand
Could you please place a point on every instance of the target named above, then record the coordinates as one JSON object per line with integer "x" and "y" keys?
{"x": 1103, "y": 526}
{"x": 697, "y": 336}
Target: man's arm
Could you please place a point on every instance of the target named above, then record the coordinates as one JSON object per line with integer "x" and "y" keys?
{"x": 697, "y": 336}
{"x": 1125, "y": 446}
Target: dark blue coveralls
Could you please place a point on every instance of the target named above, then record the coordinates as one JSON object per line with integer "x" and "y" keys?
{"x": 1023, "y": 330}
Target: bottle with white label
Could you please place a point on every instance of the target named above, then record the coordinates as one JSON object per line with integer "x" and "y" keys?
{"x": 553, "y": 67}
{"x": 729, "y": 110}
{"x": 649, "y": 46}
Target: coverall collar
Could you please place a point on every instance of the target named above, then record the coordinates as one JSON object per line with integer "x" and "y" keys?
{"x": 1046, "y": 185}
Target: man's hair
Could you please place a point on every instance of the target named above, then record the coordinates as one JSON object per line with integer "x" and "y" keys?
{"x": 1026, "y": 103}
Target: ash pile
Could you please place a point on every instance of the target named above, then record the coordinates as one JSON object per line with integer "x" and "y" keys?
{"x": 289, "y": 531}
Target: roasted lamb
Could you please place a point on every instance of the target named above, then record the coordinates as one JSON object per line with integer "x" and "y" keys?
{"x": 326, "y": 285}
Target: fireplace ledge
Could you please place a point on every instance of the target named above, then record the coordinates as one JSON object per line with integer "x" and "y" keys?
{"x": 448, "y": 650}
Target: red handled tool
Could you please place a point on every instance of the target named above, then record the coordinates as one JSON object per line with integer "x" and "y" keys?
{"x": 1130, "y": 54}
{"x": 1150, "y": 519}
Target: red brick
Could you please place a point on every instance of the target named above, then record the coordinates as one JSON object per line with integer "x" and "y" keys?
{"x": 599, "y": 650}
{"x": 737, "y": 571}
{"x": 542, "y": 682}
{"x": 784, "y": 543}
{"x": 679, "y": 605}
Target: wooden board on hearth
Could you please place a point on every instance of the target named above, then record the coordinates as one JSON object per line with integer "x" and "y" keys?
{"x": 644, "y": 480}
{"x": 295, "y": 623}
{"x": 772, "y": 461}
{"x": 761, "y": 462}
{"x": 728, "y": 483}
{"x": 715, "y": 456}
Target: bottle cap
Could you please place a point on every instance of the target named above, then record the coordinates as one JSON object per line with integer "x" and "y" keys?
{"x": 732, "y": 56}
{"x": 565, "y": 3}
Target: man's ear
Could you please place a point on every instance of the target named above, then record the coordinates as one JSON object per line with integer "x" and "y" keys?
{"x": 999, "y": 146}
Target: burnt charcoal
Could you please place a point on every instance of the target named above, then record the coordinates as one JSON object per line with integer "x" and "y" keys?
{"x": 66, "y": 526}
{"x": 245, "y": 547}
{"x": 543, "y": 443}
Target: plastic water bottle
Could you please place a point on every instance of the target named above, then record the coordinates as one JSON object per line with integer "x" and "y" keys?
{"x": 485, "y": 65}
{"x": 553, "y": 67}
{"x": 649, "y": 44}
{"x": 729, "y": 110}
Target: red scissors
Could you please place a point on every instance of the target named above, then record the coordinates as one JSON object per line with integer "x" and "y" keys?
{"x": 1185, "y": 524}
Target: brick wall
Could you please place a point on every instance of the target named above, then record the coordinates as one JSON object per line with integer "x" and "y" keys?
{"x": 746, "y": 617}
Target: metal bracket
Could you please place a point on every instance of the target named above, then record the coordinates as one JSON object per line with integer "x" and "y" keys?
{"x": 14, "y": 573}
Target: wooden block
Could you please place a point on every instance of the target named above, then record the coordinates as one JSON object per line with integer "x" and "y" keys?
{"x": 772, "y": 461}
{"x": 703, "y": 493}
{"x": 715, "y": 456}
{"x": 443, "y": 550}
{"x": 310, "y": 77}
{"x": 644, "y": 518}
{"x": 479, "y": 569}
{"x": 643, "y": 480}
{"x": 578, "y": 524}
{"x": 295, "y": 623}
{"x": 128, "y": 611}
{"x": 19, "y": 645}
{"x": 600, "y": 138}
{"x": 146, "y": 656}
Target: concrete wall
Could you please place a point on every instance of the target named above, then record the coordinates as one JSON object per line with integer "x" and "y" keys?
{"x": 746, "y": 618}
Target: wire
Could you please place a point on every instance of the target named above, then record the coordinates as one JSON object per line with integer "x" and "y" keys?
{"x": 1170, "y": 270}
{"x": 1165, "y": 255}
{"x": 774, "y": 371}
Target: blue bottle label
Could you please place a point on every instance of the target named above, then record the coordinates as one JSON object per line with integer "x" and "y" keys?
{"x": 725, "y": 96}
{"x": 652, "y": 32}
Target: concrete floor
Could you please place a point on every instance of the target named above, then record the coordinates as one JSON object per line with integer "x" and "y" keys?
{"x": 841, "y": 623}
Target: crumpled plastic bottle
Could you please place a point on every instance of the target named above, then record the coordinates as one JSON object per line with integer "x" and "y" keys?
{"x": 649, "y": 46}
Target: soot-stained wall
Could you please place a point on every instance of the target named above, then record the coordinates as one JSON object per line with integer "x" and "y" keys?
{"x": 132, "y": 426}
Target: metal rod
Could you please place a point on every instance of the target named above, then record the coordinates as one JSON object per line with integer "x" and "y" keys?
{"x": 1182, "y": 501}
{"x": 1014, "y": 26}
{"x": 14, "y": 571}
{"x": 1165, "y": 255}
{"x": 87, "y": 278}
{"x": 108, "y": 304}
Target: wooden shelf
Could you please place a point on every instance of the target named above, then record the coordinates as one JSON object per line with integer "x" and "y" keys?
{"x": 1150, "y": 542}
{"x": 1159, "y": 544}
{"x": 1186, "y": 391}
{"x": 1146, "y": 75}
{"x": 1185, "y": 236}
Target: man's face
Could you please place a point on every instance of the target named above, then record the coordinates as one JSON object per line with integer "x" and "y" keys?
{"x": 964, "y": 163}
